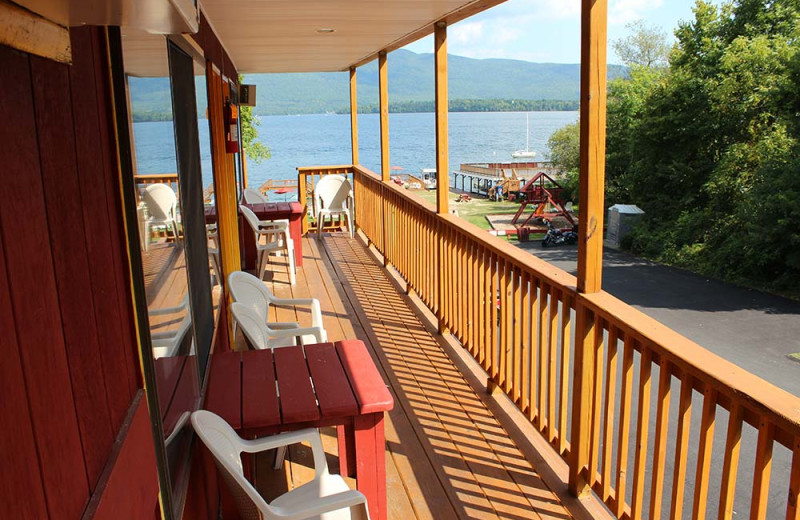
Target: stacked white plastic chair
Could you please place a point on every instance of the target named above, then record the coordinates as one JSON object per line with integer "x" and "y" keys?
{"x": 326, "y": 497}
{"x": 276, "y": 235}
{"x": 253, "y": 196}
{"x": 333, "y": 196}
{"x": 166, "y": 343}
{"x": 256, "y": 297}
{"x": 162, "y": 210}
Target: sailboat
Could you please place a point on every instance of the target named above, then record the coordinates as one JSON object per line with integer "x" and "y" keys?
{"x": 526, "y": 153}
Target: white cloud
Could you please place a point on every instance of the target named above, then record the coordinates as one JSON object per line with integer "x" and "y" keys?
{"x": 621, "y": 12}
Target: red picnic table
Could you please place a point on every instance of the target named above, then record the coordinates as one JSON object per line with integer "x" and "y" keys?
{"x": 327, "y": 384}
{"x": 291, "y": 211}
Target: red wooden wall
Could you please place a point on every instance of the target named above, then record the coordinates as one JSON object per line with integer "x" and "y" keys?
{"x": 69, "y": 369}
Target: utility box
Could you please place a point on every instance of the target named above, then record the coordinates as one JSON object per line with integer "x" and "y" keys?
{"x": 621, "y": 219}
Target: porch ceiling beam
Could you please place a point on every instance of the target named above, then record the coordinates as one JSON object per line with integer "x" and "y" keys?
{"x": 28, "y": 32}
{"x": 592, "y": 144}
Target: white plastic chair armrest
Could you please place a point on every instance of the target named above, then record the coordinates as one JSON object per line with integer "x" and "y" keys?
{"x": 323, "y": 505}
{"x": 287, "y": 438}
{"x": 281, "y": 325}
{"x": 281, "y": 225}
{"x": 315, "y": 331}
{"x": 167, "y": 310}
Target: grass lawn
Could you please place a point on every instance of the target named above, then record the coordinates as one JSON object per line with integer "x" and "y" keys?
{"x": 474, "y": 211}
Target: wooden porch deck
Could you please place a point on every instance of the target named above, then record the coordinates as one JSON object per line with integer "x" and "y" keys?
{"x": 447, "y": 456}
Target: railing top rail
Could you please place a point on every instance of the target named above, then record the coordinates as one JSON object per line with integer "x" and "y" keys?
{"x": 760, "y": 396}
{"x": 304, "y": 169}
{"x": 145, "y": 176}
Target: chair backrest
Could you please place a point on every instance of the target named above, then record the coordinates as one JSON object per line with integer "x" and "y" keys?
{"x": 250, "y": 291}
{"x": 250, "y": 217}
{"x": 161, "y": 201}
{"x": 253, "y": 196}
{"x": 331, "y": 191}
{"x": 252, "y": 324}
{"x": 225, "y": 446}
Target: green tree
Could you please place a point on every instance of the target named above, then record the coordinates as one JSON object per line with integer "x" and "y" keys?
{"x": 709, "y": 147}
{"x": 255, "y": 149}
{"x": 645, "y": 46}
{"x": 565, "y": 151}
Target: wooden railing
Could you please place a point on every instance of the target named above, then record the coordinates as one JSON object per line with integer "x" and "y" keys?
{"x": 307, "y": 179}
{"x": 587, "y": 364}
{"x": 156, "y": 178}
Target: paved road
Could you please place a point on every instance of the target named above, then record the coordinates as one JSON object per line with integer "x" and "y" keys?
{"x": 755, "y": 330}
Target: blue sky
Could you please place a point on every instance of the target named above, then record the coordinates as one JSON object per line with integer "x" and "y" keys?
{"x": 549, "y": 30}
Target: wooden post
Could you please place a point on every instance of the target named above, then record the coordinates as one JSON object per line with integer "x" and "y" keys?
{"x": 244, "y": 168}
{"x": 353, "y": 115}
{"x": 594, "y": 14}
{"x": 442, "y": 166}
{"x": 592, "y": 144}
{"x": 224, "y": 184}
{"x": 383, "y": 87}
{"x": 442, "y": 158}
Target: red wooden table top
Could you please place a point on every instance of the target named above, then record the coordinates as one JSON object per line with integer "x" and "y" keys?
{"x": 346, "y": 383}
{"x": 264, "y": 211}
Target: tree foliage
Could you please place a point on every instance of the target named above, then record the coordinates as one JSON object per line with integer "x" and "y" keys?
{"x": 564, "y": 147}
{"x": 645, "y": 46}
{"x": 255, "y": 149}
{"x": 710, "y": 146}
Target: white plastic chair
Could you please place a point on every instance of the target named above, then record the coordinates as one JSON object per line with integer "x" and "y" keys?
{"x": 333, "y": 196}
{"x": 249, "y": 290}
{"x": 326, "y": 497}
{"x": 166, "y": 343}
{"x": 277, "y": 238}
{"x": 212, "y": 237}
{"x": 162, "y": 208}
{"x": 263, "y": 335}
{"x": 253, "y": 196}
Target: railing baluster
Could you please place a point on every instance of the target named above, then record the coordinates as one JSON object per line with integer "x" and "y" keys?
{"x": 597, "y": 393}
{"x": 551, "y": 365}
{"x": 761, "y": 472}
{"x": 730, "y": 465}
{"x": 704, "y": 452}
{"x": 662, "y": 430}
{"x": 534, "y": 359}
{"x": 491, "y": 355}
{"x": 518, "y": 332}
{"x": 566, "y": 321}
{"x": 541, "y": 378}
{"x": 682, "y": 445}
{"x": 624, "y": 424}
{"x": 508, "y": 326}
{"x": 525, "y": 346}
{"x": 608, "y": 421}
{"x": 640, "y": 461}
{"x": 793, "y": 507}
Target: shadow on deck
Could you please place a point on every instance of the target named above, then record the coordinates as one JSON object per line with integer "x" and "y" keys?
{"x": 447, "y": 455}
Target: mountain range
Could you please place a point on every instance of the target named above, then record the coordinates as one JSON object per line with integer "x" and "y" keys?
{"x": 410, "y": 81}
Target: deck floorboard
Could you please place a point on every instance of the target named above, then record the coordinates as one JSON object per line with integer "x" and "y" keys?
{"x": 447, "y": 456}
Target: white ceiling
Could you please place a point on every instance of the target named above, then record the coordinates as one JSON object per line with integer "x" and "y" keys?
{"x": 282, "y": 35}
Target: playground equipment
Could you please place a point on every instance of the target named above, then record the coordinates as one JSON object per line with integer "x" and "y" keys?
{"x": 543, "y": 192}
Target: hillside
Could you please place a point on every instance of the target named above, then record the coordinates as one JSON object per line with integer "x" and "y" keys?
{"x": 410, "y": 80}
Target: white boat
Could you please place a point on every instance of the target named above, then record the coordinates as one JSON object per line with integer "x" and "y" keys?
{"x": 429, "y": 178}
{"x": 526, "y": 153}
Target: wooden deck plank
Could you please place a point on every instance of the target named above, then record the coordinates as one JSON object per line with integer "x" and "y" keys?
{"x": 447, "y": 456}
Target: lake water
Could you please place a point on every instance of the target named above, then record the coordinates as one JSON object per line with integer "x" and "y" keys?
{"x": 310, "y": 140}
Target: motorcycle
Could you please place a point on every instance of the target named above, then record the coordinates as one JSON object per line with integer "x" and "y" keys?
{"x": 556, "y": 237}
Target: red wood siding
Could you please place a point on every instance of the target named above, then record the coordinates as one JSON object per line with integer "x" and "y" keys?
{"x": 70, "y": 368}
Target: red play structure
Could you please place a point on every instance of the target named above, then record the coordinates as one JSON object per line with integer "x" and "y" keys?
{"x": 542, "y": 191}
